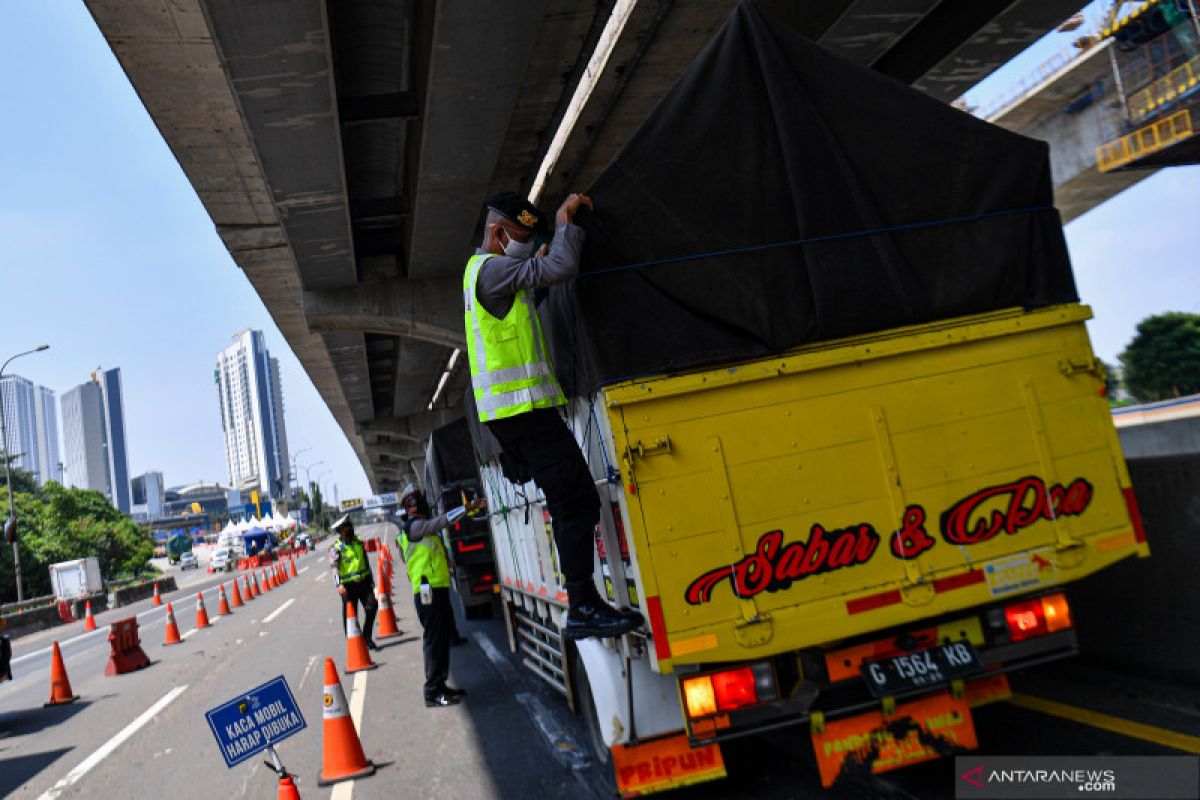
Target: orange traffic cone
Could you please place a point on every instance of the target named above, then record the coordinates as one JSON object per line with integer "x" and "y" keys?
{"x": 60, "y": 685}
{"x": 357, "y": 657}
{"x": 201, "y": 614}
{"x": 251, "y": 586}
{"x": 287, "y": 789}
{"x": 387, "y": 618}
{"x": 268, "y": 582}
{"x": 172, "y": 629}
{"x": 157, "y": 597}
{"x": 222, "y": 601}
{"x": 343, "y": 758}
{"x": 236, "y": 602}
{"x": 292, "y": 568}
{"x": 89, "y": 622}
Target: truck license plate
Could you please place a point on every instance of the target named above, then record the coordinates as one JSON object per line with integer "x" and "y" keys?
{"x": 929, "y": 667}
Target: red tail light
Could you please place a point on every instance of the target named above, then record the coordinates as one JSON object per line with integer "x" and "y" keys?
{"x": 729, "y": 689}
{"x": 1025, "y": 620}
{"x": 734, "y": 688}
{"x": 1036, "y": 617}
{"x": 463, "y": 547}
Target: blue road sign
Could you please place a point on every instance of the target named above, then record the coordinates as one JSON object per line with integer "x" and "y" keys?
{"x": 253, "y": 721}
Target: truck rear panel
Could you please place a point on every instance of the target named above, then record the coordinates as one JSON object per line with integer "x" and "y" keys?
{"x": 871, "y": 482}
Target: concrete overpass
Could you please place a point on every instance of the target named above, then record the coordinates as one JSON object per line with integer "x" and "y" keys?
{"x": 1071, "y": 108}
{"x": 344, "y": 149}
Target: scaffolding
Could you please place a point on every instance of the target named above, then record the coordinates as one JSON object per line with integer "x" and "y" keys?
{"x": 1155, "y": 59}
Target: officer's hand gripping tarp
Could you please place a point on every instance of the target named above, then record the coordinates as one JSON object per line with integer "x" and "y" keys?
{"x": 767, "y": 139}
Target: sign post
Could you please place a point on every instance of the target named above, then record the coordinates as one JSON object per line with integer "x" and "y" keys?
{"x": 257, "y": 721}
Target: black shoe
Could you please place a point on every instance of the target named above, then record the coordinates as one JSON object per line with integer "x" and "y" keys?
{"x": 441, "y": 699}
{"x": 599, "y": 619}
{"x": 451, "y": 691}
{"x": 371, "y": 645}
{"x": 459, "y": 641}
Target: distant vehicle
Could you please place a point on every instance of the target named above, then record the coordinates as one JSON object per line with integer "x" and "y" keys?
{"x": 72, "y": 580}
{"x": 305, "y": 540}
{"x": 177, "y": 545}
{"x": 188, "y": 561}
{"x": 221, "y": 560}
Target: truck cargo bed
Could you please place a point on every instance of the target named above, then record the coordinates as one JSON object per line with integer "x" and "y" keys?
{"x": 861, "y": 484}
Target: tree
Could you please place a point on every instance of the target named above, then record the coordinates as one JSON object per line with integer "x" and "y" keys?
{"x": 1112, "y": 381}
{"x": 22, "y": 481}
{"x": 1163, "y": 360}
{"x": 62, "y": 524}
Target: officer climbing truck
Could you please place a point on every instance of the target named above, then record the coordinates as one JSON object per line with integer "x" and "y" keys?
{"x": 848, "y": 475}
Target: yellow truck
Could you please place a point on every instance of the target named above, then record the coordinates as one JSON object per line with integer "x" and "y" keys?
{"x": 861, "y": 536}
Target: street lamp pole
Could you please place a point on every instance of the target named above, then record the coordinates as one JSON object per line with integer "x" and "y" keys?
{"x": 292, "y": 476}
{"x": 12, "y": 510}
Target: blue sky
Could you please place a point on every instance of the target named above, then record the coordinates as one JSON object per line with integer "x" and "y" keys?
{"x": 107, "y": 254}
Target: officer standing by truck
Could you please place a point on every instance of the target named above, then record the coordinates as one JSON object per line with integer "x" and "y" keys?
{"x": 352, "y": 576}
{"x": 517, "y": 394}
{"x": 428, "y": 568}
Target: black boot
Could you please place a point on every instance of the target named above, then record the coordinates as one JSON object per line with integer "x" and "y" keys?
{"x": 590, "y": 616}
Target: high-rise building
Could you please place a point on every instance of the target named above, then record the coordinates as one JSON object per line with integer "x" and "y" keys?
{"x": 148, "y": 495}
{"x": 94, "y": 437}
{"x": 31, "y": 427}
{"x": 45, "y": 413}
{"x": 251, "y": 397}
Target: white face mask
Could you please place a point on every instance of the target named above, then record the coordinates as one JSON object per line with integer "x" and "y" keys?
{"x": 515, "y": 249}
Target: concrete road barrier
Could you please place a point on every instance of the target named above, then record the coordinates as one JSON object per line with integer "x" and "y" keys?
{"x": 131, "y": 594}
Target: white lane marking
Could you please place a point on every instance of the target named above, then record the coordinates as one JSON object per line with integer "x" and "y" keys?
{"x": 112, "y": 744}
{"x": 506, "y": 670}
{"x": 358, "y": 698}
{"x": 211, "y": 622}
{"x": 277, "y": 611}
{"x": 302, "y": 569}
{"x": 312, "y": 660}
{"x": 322, "y": 577}
{"x": 62, "y": 644}
{"x": 562, "y": 744}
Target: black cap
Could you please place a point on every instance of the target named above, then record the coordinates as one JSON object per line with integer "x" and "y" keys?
{"x": 516, "y": 208}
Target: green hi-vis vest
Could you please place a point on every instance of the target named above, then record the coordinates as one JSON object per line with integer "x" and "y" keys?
{"x": 352, "y": 561}
{"x": 510, "y": 363}
{"x": 426, "y": 559}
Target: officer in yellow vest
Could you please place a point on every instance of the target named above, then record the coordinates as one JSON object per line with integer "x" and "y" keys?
{"x": 424, "y": 556}
{"x": 353, "y": 578}
{"x": 517, "y": 394}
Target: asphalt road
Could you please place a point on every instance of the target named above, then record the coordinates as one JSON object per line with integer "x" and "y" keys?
{"x": 144, "y": 734}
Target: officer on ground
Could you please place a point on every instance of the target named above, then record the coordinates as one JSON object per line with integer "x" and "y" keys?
{"x": 518, "y": 396}
{"x": 352, "y": 576}
{"x": 424, "y": 555}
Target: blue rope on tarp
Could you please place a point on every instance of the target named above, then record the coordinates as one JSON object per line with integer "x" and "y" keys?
{"x": 777, "y": 246}
{"x": 831, "y": 237}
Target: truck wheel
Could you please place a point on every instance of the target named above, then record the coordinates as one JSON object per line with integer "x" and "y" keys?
{"x": 597, "y": 749}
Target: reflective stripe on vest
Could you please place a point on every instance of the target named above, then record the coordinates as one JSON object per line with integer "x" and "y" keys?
{"x": 510, "y": 368}
{"x": 352, "y": 562}
{"x": 425, "y": 558}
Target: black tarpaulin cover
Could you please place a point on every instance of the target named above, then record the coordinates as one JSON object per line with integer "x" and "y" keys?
{"x": 768, "y": 138}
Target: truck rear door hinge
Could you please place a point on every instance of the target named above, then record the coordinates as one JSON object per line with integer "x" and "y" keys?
{"x": 1071, "y": 366}
{"x": 657, "y": 446}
